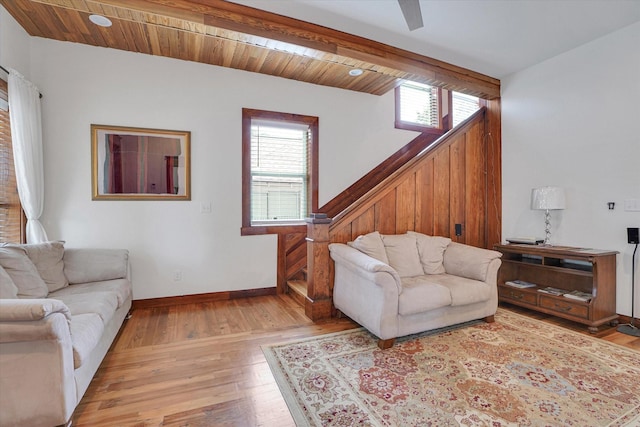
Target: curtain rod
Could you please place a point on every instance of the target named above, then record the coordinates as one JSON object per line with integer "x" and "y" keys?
{"x": 7, "y": 71}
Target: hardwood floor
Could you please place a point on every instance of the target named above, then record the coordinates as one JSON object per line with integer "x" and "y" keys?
{"x": 198, "y": 365}
{"x": 201, "y": 364}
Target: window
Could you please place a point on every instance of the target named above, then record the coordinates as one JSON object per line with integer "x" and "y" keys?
{"x": 463, "y": 106}
{"x": 279, "y": 167}
{"x": 418, "y": 107}
{"x": 12, "y": 222}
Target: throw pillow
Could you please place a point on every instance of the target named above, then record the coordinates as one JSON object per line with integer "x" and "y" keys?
{"x": 23, "y": 272}
{"x": 47, "y": 257}
{"x": 371, "y": 244}
{"x": 431, "y": 250}
{"x": 8, "y": 289}
{"x": 402, "y": 251}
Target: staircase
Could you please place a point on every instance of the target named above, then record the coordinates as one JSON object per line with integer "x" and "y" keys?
{"x": 297, "y": 287}
{"x": 446, "y": 181}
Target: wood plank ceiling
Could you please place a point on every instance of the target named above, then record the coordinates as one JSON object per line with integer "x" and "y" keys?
{"x": 226, "y": 34}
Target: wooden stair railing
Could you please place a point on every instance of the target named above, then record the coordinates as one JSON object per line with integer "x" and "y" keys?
{"x": 449, "y": 183}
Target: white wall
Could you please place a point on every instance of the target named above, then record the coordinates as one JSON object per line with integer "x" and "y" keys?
{"x": 14, "y": 45}
{"x": 572, "y": 121}
{"x": 84, "y": 85}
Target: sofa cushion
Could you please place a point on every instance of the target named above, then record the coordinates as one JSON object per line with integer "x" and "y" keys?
{"x": 372, "y": 245}
{"x": 420, "y": 294}
{"x": 468, "y": 261}
{"x": 106, "y": 264}
{"x": 23, "y": 272}
{"x": 86, "y": 331}
{"x": 8, "y": 289}
{"x": 104, "y": 304}
{"x": 121, "y": 287}
{"x": 464, "y": 291}
{"x": 402, "y": 251}
{"x": 47, "y": 257}
{"x": 431, "y": 250}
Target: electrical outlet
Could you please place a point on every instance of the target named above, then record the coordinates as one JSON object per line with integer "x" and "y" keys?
{"x": 177, "y": 275}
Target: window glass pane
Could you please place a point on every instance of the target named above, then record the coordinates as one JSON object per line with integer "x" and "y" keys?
{"x": 419, "y": 104}
{"x": 463, "y": 107}
{"x": 11, "y": 225}
{"x": 279, "y": 171}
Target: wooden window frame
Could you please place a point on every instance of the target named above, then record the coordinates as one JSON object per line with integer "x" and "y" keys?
{"x": 401, "y": 124}
{"x": 248, "y": 115}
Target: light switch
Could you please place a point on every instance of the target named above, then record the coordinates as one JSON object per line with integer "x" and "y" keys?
{"x": 205, "y": 207}
{"x": 632, "y": 205}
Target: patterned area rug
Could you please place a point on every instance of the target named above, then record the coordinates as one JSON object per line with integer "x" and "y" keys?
{"x": 514, "y": 372}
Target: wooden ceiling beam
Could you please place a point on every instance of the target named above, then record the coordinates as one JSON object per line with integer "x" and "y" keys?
{"x": 248, "y": 20}
{"x": 208, "y": 16}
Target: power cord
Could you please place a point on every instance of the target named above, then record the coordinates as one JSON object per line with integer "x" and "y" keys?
{"x": 630, "y": 328}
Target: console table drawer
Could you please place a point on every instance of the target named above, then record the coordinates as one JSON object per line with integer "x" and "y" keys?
{"x": 567, "y": 307}
{"x": 517, "y": 295}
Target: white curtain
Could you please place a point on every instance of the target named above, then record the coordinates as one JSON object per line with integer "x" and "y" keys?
{"x": 26, "y": 138}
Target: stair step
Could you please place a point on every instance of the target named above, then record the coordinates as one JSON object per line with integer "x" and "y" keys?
{"x": 298, "y": 290}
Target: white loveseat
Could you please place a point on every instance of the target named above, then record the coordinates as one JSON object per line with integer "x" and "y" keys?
{"x": 397, "y": 285}
{"x": 60, "y": 310}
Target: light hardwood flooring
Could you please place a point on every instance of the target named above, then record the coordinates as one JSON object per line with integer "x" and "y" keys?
{"x": 202, "y": 365}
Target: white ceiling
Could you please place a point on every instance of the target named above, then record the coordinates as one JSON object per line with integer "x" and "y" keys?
{"x": 493, "y": 37}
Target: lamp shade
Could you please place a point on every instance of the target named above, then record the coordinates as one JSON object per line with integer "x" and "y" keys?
{"x": 547, "y": 198}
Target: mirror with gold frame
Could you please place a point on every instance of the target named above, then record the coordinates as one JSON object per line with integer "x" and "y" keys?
{"x": 130, "y": 163}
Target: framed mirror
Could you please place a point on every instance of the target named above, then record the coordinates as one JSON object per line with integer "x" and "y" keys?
{"x": 130, "y": 163}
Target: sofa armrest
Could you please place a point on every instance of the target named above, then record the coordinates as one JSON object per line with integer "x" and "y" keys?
{"x": 36, "y": 363}
{"x": 33, "y": 320}
{"x": 359, "y": 261}
{"x": 366, "y": 290}
{"x": 469, "y": 261}
{"x": 31, "y": 309}
{"x": 82, "y": 265}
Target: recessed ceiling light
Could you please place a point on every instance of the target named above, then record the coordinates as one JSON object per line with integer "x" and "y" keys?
{"x": 100, "y": 20}
{"x": 355, "y": 72}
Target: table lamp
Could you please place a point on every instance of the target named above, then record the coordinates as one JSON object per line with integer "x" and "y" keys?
{"x": 547, "y": 199}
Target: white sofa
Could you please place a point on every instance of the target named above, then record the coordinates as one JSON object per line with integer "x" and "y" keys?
{"x": 60, "y": 310}
{"x": 397, "y": 285}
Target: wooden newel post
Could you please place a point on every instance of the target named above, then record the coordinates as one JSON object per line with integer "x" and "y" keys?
{"x": 319, "y": 298}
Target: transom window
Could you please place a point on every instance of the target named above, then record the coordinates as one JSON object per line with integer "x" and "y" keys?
{"x": 279, "y": 167}
{"x": 418, "y": 107}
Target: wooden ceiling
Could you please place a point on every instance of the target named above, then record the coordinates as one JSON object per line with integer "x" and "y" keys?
{"x": 226, "y": 34}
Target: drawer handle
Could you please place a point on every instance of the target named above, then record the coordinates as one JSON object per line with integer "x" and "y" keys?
{"x": 516, "y": 296}
{"x": 565, "y": 308}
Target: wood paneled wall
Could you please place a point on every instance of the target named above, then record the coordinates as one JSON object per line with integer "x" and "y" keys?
{"x": 457, "y": 180}
{"x": 454, "y": 181}
{"x": 444, "y": 186}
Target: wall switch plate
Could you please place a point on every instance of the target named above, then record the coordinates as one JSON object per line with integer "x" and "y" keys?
{"x": 205, "y": 207}
{"x": 632, "y": 205}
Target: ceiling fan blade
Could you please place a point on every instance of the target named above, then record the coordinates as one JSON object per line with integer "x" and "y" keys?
{"x": 412, "y": 13}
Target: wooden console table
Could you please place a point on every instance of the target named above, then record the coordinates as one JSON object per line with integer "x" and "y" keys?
{"x": 569, "y": 269}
